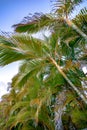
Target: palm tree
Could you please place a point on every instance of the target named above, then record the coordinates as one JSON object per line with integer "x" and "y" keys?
{"x": 50, "y": 68}
{"x": 53, "y": 22}
{"x": 38, "y": 79}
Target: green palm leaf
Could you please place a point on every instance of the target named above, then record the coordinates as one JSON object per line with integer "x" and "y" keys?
{"x": 28, "y": 69}
{"x": 34, "y": 23}
{"x": 18, "y": 48}
{"x": 65, "y": 7}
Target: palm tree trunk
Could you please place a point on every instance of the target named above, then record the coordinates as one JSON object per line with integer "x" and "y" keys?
{"x": 71, "y": 24}
{"x": 67, "y": 79}
{"x": 59, "y": 108}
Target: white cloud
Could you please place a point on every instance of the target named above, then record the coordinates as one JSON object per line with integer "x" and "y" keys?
{"x": 3, "y": 89}
{"x": 6, "y": 74}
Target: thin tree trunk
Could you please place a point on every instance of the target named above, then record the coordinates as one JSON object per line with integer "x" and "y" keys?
{"x": 71, "y": 24}
{"x": 67, "y": 79}
{"x": 59, "y": 108}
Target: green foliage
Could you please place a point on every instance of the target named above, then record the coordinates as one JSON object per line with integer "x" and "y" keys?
{"x": 34, "y": 23}
{"x": 79, "y": 117}
{"x": 63, "y": 7}
{"x": 32, "y": 99}
{"x": 81, "y": 20}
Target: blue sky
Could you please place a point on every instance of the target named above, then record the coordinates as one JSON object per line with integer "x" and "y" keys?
{"x": 12, "y": 12}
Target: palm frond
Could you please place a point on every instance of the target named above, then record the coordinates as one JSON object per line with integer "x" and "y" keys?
{"x": 65, "y": 7}
{"x": 20, "y": 104}
{"x": 20, "y": 118}
{"x": 19, "y": 47}
{"x": 34, "y": 23}
{"x": 81, "y": 20}
{"x": 29, "y": 68}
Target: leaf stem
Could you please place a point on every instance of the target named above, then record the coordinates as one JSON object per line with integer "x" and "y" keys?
{"x": 71, "y": 24}
{"x": 67, "y": 79}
